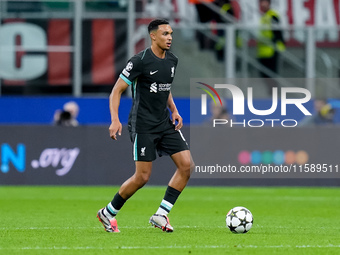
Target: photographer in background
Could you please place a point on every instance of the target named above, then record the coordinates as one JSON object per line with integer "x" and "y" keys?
{"x": 68, "y": 116}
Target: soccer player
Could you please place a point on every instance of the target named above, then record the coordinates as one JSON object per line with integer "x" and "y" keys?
{"x": 150, "y": 74}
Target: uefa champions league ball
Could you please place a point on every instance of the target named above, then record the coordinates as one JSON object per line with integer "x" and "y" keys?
{"x": 239, "y": 220}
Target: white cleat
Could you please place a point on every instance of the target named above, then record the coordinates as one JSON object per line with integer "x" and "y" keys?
{"x": 162, "y": 222}
{"x": 109, "y": 225}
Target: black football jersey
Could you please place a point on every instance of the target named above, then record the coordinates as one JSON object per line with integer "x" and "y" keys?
{"x": 150, "y": 79}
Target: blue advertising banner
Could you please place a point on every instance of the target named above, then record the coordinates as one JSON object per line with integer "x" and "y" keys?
{"x": 47, "y": 155}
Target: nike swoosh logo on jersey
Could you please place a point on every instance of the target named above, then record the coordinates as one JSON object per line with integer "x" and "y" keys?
{"x": 152, "y": 73}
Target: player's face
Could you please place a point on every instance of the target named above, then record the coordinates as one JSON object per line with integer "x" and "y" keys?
{"x": 264, "y": 5}
{"x": 163, "y": 37}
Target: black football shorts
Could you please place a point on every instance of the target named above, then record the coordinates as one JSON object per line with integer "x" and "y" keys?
{"x": 145, "y": 146}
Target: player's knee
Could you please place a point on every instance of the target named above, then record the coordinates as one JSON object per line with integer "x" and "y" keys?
{"x": 191, "y": 167}
{"x": 142, "y": 179}
{"x": 187, "y": 167}
{"x": 145, "y": 178}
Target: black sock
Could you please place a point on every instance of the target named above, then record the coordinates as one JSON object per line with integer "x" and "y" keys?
{"x": 168, "y": 201}
{"x": 117, "y": 201}
{"x": 171, "y": 195}
{"x": 114, "y": 206}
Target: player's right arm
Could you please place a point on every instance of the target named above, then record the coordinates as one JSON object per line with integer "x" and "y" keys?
{"x": 115, "y": 96}
{"x": 132, "y": 70}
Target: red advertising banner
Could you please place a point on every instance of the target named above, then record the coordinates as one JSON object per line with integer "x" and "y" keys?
{"x": 39, "y": 53}
{"x": 322, "y": 14}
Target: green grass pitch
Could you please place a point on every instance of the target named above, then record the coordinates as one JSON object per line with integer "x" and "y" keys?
{"x": 62, "y": 220}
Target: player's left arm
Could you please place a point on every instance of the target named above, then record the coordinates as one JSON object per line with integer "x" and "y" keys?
{"x": 175, "y": 115}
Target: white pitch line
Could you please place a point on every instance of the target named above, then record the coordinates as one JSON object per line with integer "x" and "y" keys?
{"x": 172, "y": 247}
{"x": 99, "y": 227}
{"x": 138, "y": 227}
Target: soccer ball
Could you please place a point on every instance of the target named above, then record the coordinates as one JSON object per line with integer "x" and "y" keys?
{"x": 239, "y": 220}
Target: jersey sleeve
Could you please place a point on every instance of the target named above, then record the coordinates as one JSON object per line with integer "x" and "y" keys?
{"x": 132, "y": 70}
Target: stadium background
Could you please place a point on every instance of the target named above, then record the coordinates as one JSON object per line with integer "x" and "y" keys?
{"x": 54, "y": 52}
